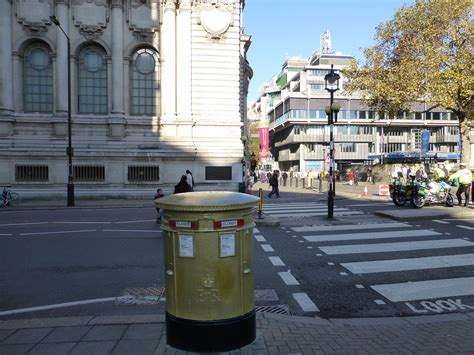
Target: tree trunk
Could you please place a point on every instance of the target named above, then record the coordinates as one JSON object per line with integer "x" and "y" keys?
{"x": 465, "y": 129}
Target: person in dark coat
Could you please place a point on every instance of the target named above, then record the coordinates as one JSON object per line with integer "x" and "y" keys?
{"x": 182, "y": 186}
{"x": 274, "y": 184}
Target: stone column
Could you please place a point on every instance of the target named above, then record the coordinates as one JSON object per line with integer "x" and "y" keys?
{"x": 62, "y": 10}
{"x": 183, "y": 59}
{"x": 117, "y": 58}
{"x": 168, "y": 59}
{"x": 6, "y": 60}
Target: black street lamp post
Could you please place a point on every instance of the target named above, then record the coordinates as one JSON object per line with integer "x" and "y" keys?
{"x": 69, "y": 150}
{"x": 332, "y": 85}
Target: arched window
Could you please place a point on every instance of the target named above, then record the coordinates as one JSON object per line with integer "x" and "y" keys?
{"x": 145, "y": 83}
{"x": 92, "y": 81}
{"x": 37, "y": 79}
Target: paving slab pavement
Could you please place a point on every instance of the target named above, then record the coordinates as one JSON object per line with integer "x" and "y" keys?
{"x": 276, "y": 334}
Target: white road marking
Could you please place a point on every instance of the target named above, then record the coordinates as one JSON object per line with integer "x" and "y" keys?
{"x": 379, "y": 302}
{"x": 256, "y": 231}
{"x": 422, "y": 290}
{"x": 350, "y": 227}
{"x": 423, "y": 263}
{"x": 267, "y": 247}
{"x": 360, "y": 286}
{"x": 372, "y": 235}
{"x": 276, "y": 261}
{"x": 343, "y": 273}
{"x": 60, "y": 232}
{"x": 81, "y": 222}
{"x": 288, "y": 278}
{"x": 440, "y": 221}
{"x": 465, "y": 227}
{"x": 5, "y": 234}
{"x": 389, "y": 247}
{"x": 62, "y": 305}
{"x": 132, "y": 230}
{"x": 260, "y": 238}
{"x": 22, "y": 224}
{"x": 331, "y": 264}
{"x": 305, "y": 302}
{"x": 140, "y": 221}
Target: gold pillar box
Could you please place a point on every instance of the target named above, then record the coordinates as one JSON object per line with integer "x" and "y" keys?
{"x": 208, "y": 247}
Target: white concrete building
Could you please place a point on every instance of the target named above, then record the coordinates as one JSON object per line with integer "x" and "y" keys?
{"x": 158, "y": 87}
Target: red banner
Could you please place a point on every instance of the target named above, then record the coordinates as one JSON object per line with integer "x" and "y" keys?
{"x": 264, "y": 142}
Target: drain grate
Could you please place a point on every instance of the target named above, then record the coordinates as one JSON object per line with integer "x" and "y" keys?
{"x": 276, "y": 309}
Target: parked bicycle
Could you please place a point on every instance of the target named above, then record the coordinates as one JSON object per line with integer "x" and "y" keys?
{"x": 9, "y": 197}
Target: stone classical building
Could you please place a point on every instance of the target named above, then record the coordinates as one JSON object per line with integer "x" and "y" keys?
{"x": 157, "y": 87}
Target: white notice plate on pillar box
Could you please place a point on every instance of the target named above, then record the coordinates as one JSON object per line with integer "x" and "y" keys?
{"x": 227, "y": 245}
{"x": 186, "y": 247}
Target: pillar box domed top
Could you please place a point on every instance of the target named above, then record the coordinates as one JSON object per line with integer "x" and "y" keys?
{"x": 207, "y": 201}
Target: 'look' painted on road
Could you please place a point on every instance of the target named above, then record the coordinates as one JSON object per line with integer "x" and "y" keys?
{"x": 438, "y": 306}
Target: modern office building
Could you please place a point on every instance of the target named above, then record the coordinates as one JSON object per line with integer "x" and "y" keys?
{"x": 294, "y": 102}
{"x": 157, "y": 87}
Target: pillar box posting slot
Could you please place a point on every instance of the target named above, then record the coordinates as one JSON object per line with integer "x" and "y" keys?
{"x": 208, "y": 247}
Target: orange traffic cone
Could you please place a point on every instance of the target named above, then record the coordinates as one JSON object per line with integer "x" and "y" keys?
{"x": 366, "y": 191}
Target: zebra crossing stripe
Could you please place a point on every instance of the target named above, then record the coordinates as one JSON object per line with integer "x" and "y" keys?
{"x": 305, "y": 302}
{"x": 309, "y": 209}
{"x": 370, "y": 235}
{"x": 389, "y": 247}
{"x": 422, "y": 290}
{"x": 429, "y": 262}
{"x": 336, "y": 213}
{"x": 260, "y": 238}
{"x": 465, "y": 227}
{"x": 290, "y": 205}
{"x": 349, "y": 227}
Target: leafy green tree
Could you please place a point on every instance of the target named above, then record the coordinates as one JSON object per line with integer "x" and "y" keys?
{"x": 424, "y": 53}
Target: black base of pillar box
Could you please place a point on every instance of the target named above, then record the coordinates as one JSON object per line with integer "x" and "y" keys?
{"x": 210, "y": 336}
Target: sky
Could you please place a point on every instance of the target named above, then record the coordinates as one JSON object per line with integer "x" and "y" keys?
{"x": 290, "y": 28}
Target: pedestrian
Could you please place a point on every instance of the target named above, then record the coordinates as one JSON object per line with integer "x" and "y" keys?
{"x": 350, "y": 177}
{"x": 269, "y": 175}
{"x": 284, "y": 175}
{"x": 274, "y": 184}
{"x": 182, "y": 186}
{"x": 249, "y": 181}
{"x": 369, "y": 176}
{"x": 190, "y": 179}
{"x": 464, "y": 176}
{"x": 356, "y": 178}
{"x": 421, "y": 174}
{"x": 159, "y": 193}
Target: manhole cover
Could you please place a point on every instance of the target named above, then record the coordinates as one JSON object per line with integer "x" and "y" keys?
{"x": 141, "y": 296}
{"x": 277, "y": 309}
